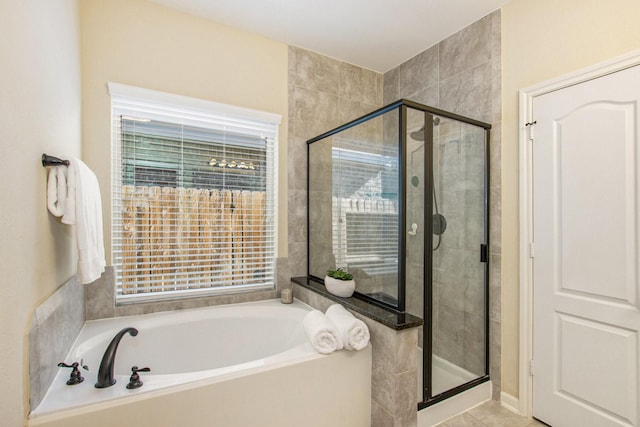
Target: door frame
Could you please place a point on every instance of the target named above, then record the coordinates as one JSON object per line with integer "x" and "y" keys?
{"x": 525, "y": 127}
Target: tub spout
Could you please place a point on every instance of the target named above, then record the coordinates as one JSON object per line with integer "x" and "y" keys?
{"x": 105, "y": 373}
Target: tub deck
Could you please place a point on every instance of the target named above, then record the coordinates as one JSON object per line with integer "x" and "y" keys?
{"x": 285, "y": 383}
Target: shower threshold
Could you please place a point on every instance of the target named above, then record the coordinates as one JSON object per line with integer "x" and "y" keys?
{"x": 455, "y": 405}
{"x": 446, "y": 376}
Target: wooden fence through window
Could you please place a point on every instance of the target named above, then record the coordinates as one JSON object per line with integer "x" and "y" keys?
{"x": 181, "y": 238}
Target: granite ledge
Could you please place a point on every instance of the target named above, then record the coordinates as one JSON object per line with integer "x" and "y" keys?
{"x": 391, "y": 319}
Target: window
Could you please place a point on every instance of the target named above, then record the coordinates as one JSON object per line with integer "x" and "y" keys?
{"x": 194, "y": 196}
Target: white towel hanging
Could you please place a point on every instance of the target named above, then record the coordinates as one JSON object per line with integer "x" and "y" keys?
{"x": 57, "y": 190}
{"x": 84, "y": 209}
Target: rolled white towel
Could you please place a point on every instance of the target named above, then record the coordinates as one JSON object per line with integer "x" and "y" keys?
{"x": 322, "y": 332}
{"x": 57, "y": 190}
{"x": 353, "y": 331}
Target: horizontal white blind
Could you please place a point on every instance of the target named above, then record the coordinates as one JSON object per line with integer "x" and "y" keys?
{"x": 194, "y": 191}
{"x": 365, "y": 207}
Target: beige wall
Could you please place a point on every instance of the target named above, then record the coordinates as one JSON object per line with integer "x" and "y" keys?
{"x": 541, "y": 40}
{"x": 138, "y": 43}
{"x": 39, "y": 112}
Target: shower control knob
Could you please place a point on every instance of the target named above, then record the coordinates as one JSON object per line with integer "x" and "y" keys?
{"x": 134, "y": 380}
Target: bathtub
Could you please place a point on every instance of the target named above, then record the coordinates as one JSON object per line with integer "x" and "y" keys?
{"x": 247, "y": 364}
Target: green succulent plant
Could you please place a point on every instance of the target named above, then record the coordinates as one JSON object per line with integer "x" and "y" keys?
{"x": 339, "y": 274}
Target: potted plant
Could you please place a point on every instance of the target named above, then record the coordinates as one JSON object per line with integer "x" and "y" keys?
{"x": 339, "y": 283}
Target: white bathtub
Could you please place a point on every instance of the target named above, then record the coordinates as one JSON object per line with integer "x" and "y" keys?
{"x": 242, "y": 364}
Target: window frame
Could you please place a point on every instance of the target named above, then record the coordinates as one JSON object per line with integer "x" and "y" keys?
{"x": 201, "y": 114}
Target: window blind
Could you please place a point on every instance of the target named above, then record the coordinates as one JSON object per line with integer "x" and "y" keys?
{"x": 194, "y": 196}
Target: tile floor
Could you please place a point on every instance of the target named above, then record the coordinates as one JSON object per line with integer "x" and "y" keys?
{"x": 490, "y": 414}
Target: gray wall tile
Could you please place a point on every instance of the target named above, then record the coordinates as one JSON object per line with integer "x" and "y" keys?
{"x": 315, "y": 112}
{"x": 54, "y": 327}
{"x": 391, "y": 86}
{"x": 317, "y": 72}
{"x": 393, "y": 366}
{"x": 467, "y": 81}
{"x": 468, "y": 93}
{"x": 419, "y": 72}
{"x": 326, "y": 94}
{"x": 466, "y": 49}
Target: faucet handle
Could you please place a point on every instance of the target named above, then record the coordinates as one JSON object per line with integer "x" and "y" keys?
{"x": 75, "y": 377}
{"x": 134, "y": 380}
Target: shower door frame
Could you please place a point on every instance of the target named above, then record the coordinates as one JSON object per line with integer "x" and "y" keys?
{"x": 427, "y": 355}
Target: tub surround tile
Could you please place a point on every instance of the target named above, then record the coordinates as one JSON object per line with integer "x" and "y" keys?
{"x": 383, "y": 387}
{"x": 379, "y": 415}
{"x": 54, "y": 327}
{"x": 100, "y": 297}
{"x": 405, "y": 392}
{"x": 395, "y": 354}
{"x": 393, "y": 362}
{"x": 283, "y": 274}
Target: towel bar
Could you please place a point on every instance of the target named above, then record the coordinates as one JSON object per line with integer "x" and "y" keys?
{"x": 48, "y": 160}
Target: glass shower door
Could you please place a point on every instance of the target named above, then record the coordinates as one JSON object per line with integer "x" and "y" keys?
{"x": 459, "y": 251}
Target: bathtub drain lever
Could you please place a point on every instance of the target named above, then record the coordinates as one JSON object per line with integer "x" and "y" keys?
{"x": 134, "y": 380}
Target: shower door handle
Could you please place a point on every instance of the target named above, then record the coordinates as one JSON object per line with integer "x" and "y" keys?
{"x": 484, "y": 253}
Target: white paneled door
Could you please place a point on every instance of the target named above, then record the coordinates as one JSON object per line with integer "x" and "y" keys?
{"x": 586, "y": 195}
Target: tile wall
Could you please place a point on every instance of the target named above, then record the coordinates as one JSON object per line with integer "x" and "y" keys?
{"x": 462, "y": 74}
{"x": 323, "y": 94}
{"x": 54, "y": 327}
{"x": 100, "y": 299}
{"x": 393, "y": 367}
